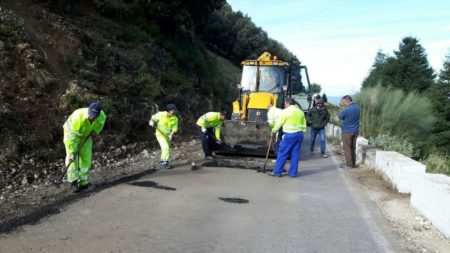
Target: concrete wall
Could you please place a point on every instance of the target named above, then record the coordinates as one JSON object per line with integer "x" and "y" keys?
{"x": 431, "y": 197}
{"x": 430, "y": 193}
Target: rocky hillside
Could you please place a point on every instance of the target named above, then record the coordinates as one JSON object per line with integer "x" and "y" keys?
{"x": 52, "y": 63}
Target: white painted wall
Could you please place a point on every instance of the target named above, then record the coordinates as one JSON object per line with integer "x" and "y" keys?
{"x": 430, "y": 193}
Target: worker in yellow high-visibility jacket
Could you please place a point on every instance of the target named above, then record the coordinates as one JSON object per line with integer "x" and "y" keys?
{"x": 293, "y": 122}
{"x": 166, "y": 125}
{"x": 77, "y": 131}
{"x": 206, "y": 124}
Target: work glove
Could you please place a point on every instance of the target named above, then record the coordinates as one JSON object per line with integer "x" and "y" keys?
{"x": 204, "y": 130}
{"x": 151, "y": 123}
{"x": 218, "y": 142}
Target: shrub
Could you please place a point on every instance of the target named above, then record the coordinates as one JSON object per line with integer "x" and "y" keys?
{"x": 437, "y": 163}
{"x": 393, "y": 143}
{"x": 130, "y": 33}
{"x": 391, "y": 112}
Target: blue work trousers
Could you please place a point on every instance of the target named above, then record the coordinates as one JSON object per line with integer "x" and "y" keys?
{"x": 321, "y": 132}
{"x": 290, "y": 145}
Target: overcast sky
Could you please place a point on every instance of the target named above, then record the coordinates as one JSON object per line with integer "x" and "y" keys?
{"x": 338, "y": 40}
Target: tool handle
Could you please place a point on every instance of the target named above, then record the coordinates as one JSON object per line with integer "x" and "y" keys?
{"x": 79, "y": 149}
{"x": 267, "y": 153}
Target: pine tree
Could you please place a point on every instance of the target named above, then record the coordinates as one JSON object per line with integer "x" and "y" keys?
{"x": 316, "y": 88}
{"x": 324, "y": 97}
{"x": 408, "y": 70}
{"x": 439, "y": 94}
{"x": 414, "y": 72}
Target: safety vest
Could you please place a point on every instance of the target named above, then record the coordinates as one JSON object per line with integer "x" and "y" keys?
{"x": 292, "y": 120}
{"x": 211, "y": 120}
{"x": 273, "y": 116}
{"x": 77, "y": 127}
{"x": 165, "y": 123}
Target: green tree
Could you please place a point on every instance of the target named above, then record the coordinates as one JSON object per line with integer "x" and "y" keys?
{"x": 414, "y": 72}
{"x": 324, "y": 97}
{"x": 438, "y": 93}
{"x": 235, "y": 36}
{"x": 408, "y": 70}
{"x": 316, "y": 88}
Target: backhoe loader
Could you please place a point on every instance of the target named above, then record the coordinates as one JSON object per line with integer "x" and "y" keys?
{"x": 264, "y": 80}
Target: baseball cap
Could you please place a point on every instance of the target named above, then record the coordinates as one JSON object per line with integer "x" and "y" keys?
{"x": 95, "y": 109}
{"x": 171, "y": 107}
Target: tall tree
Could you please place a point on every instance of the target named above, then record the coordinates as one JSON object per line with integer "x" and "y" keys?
{"x": 439, "y": 93}
{"x": 316, "y": 88}
{"x": 444, "y": 76}
{"x": 325, "y": 98}
{"x": 408, "y": 70}
{"x": 414, "y": 72}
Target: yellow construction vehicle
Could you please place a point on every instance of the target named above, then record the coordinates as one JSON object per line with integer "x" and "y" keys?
{"x": 264, "y": 80}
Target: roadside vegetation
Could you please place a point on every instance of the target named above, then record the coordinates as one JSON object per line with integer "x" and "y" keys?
{"x": 404, "y": 107}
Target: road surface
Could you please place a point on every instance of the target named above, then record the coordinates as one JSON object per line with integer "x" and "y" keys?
{"x": 316, "y": 212}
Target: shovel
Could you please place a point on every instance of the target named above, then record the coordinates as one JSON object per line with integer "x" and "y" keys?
{"x": 267, "y": 153}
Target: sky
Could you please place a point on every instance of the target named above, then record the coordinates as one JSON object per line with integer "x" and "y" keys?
{"x": 338, "y": 40}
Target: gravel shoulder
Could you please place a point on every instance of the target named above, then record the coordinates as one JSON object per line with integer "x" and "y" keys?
{"x": 405, "y": 227}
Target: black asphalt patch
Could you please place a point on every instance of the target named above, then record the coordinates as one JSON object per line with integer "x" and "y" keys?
{"x": 235, "y": 200}
{"x": 251, "y": 165}
{"x": 152, "y": 184}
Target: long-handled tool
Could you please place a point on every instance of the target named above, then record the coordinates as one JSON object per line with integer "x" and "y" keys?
{"x": 267, "y": 153}
{"x": 77, "y": 155}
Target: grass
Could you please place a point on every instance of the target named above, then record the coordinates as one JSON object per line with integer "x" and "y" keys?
{"x": 391, "y": 112}
{"x": 437, "y": 163}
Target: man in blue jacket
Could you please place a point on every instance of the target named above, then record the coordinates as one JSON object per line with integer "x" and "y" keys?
{"x": 350, "y": 130}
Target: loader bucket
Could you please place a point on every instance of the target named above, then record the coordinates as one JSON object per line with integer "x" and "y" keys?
{"x": 245, "y": 138}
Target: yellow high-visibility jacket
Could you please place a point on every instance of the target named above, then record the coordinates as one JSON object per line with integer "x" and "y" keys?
{"x": 273, "y": 115}
{"x": 292, "y": 120}
{"x": 77, "y": 127}
{"x": 165, "y": 124}
{"x": 211, "y": 120}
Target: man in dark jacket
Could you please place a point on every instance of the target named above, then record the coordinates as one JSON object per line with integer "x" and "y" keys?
{"x": 318, "y": 117}
{"x": 350, "y": 129}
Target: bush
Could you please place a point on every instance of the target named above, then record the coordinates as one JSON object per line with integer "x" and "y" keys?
{"x": 437, "y": 163}
{"x": 393, "y": 143}
{"x": 391, "y": 112}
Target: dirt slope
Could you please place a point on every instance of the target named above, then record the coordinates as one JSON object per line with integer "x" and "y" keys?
{"x": 53, "y": 63}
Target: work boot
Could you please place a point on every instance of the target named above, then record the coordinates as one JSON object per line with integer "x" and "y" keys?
{"x": 74, "y": 187}
{"x": 273, "y": 174}
{"x": 168, "y": 166}
{"x": 87, "y": 187}
{"x": 345, "y": 166}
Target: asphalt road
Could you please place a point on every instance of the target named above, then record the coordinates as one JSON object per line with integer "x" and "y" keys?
{"x": 316, "y": 212}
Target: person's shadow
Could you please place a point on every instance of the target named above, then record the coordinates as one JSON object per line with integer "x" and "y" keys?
{"x": 308, "y": 172}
